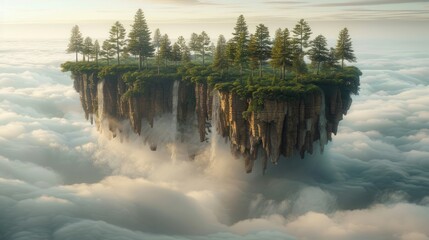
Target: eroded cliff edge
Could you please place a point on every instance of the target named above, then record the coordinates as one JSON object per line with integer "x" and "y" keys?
{"x": 274, "y": 128}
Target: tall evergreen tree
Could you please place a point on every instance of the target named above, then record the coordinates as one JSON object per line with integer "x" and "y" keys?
{"x": 263, "y": 46}
{"x": 165, "y": 49}
{"x": 282, "y": 51}
{"x": 332, "y": 61}
{"x": 252, "y": 53}
{"x": 157, "y": 43}
{"x": 96, "y": 51}
{"x": 76, "y": 41}
{"x": 344, "y": 50}
{"x": 298, "y": 64}
{"x": 302, "y": 33}
{"x": 195, "y": 44}
{"x": 241, "y": 40}
{"x": 220, "y": 59}
{"x": 184, "y": 50}
{"x": 276, "y": 53}
{"x": 204, "y": 43}
{"x": 319, "y": 52}
{"x": 186, "y": 55}
{"x": 107, "y": 51}
{"x": 87, "y": 48}
{"x": 117, "y": 39}
{"x": 211, "y": 49}
{"x": 230, "y": 53}
{"x": 139, "y": 40}
{"x": 157, "y": 39}
{"x": 176, "y": 53}
{"x": 181, "y": 41}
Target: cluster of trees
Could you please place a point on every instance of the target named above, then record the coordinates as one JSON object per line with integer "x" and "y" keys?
{"x": 285, "y": 52}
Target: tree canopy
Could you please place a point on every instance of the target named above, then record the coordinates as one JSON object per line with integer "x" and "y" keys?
{"x": 241, "y": 40}
{"x": 220, "y": 60}
{"x": 319, "y": 51}
{"x": 240, "y": 56}
{"x": 87, "y": 48}
{"x": 139, "y": 40}
{"x": 107, "y": 51}
{"x": 263, "y": 45}
{"x": 281, "y": 56}
{"x": 203, "y": 44}
{"x": 301, "y": 35}
{"x": 96, "y": 51}
{"x": 165, "y": 49}
{"x": 344, "y": 50}
{"x": 76, "y": 41}
{"x": 117, "y": 39}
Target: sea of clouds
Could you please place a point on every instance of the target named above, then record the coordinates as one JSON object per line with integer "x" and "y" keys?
{"x": 61, "y": 179}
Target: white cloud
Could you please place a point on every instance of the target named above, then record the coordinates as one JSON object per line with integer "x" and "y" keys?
{"x": 61, "y": 179}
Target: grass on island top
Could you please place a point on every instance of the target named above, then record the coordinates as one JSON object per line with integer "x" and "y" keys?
{"x": 247, "y": 85}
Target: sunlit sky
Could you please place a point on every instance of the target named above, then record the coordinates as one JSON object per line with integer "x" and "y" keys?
{"x": 49, "y": 18}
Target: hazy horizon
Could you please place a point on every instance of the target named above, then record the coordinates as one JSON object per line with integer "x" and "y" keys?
{"x": 381, "y": 19}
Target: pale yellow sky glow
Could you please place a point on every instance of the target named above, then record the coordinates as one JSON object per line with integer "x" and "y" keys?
{"x": 54, "y": 18}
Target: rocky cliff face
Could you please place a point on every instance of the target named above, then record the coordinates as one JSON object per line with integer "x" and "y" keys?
{"x": 278, "y": 128}
{"x": 281, "y": 127}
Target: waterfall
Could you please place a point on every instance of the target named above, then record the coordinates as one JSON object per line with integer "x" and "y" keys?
{"x": 214, "y": 138}
{"x": 173, "y": 129}
{"x": 175, "y": 103}
{"x": 322, "y": 123}
{"x": 100, "y": 103}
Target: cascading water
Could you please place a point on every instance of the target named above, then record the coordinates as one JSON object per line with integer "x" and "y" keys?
{"x": 322, "y": 123}
{"x": 174, "y": 119}
{"x": 100, "y": 104}
{"x": 214, "y": 138}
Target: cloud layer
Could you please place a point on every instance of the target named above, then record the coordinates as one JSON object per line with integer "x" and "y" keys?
{"x": 60, "y": 179}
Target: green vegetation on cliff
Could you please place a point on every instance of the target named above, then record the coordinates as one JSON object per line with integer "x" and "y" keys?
{"x": 251, "y": 65}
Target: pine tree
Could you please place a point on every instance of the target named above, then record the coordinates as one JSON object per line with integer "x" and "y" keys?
{"x": 211, "y": 49}
{"x": 139, "y": 40}
{"x": 302, "y": 33}
{"x": 186, "y": 55}
{"x": 96, "y": 51}
{"x": 76, "y": 41}
{"x": 220, "y": 59}
{"x": 253, "y": 52}
{"x": 181, "y": 41}
{"x": 195, "y": 44}
{"x": 319, "y": 51}
{"x": 344, "y": 50}
{"x": 176, "y": 53}
{"x": 165, "y": 49}
{"x": 263, "y": 46}
{"x": 107, "y": 51}
{"x": 230, "y": 53}
{"x": 204, "y": 43}
{"x": 332, "y": 61}
{"x": 276, "y": 52}
{"x": 298, "y": 64}
{"x": 282, "y": 51}
{"x": 87, "y": 48}
{"x": 184, "y": 50}
{"x": 157, "y": 43}
{"x": 117, "y": 39}
{"x": 157, "y": 39}
{"x": 241, "y": 40}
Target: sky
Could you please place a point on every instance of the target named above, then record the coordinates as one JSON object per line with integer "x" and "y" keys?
{"x": 366, "y": 18}
{"x": 62, "y": 179}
